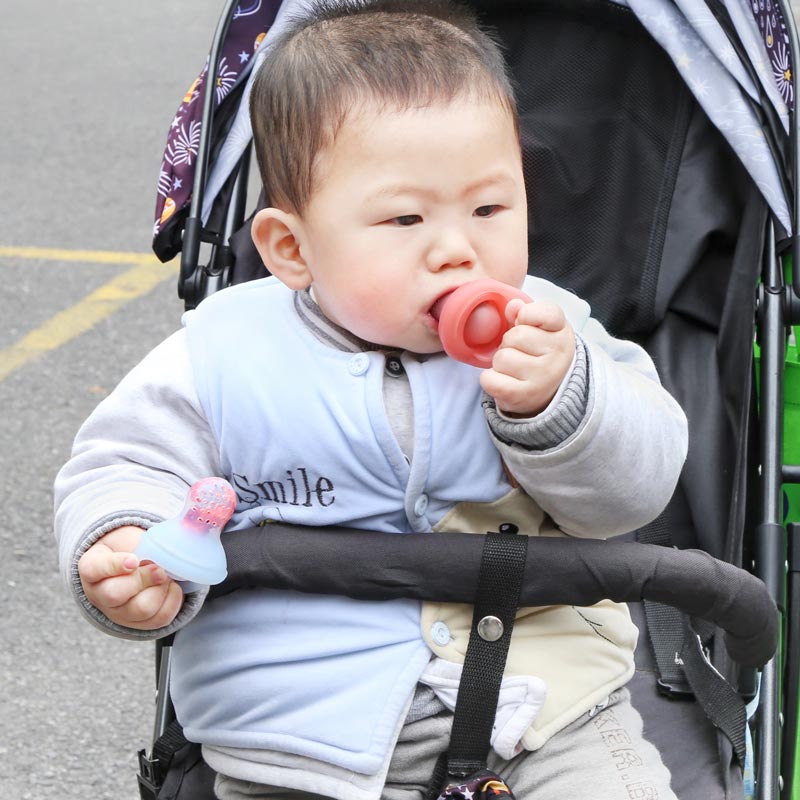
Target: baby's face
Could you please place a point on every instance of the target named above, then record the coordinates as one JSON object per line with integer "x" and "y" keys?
{"x": 408, "y": 206}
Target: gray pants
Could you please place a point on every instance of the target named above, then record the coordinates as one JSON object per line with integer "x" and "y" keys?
{"x": 602, "y": 755}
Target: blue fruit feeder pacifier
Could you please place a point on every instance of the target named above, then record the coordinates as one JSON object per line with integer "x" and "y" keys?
{"x": 188, "y": 546}
{"x": 472, "y": 320}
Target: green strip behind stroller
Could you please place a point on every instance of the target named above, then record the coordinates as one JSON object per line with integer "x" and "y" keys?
{"x": 662, "y": 158}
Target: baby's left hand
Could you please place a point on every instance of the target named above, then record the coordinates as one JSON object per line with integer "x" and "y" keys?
{"x": 532, "y": 360}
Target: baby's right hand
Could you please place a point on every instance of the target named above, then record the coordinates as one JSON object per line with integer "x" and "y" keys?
{"x": 131, "y": 593}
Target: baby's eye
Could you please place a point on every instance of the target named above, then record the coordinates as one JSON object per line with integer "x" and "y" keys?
{"x": 406, "y": 219}
{"x": 486, "y": 211}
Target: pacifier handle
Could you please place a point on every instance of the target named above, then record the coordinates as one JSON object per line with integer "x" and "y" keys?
{"x": 188, "y": 546}
{"x": 472, "y": 320}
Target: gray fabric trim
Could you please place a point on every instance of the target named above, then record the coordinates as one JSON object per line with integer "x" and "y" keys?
{"x": 554, "y": 426}
{"x": 191, "y": 604}
{"x": 425, "y": 704}
{"x": 399, "y": 405}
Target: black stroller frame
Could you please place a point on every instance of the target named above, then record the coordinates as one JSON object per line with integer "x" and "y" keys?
{"x": 628, "y": 572}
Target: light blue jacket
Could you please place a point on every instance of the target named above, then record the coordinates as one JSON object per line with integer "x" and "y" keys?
{"x": 304, "y": 438}
{"x": 275, "y": 671}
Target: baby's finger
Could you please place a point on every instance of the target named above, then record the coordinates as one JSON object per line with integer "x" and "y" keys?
{"x": 505, "y": 389}
{"x": 520, "y": 362}
{"x": 547, "y": 316}
{"x": 527, "y": 339}
{"x": 99, "y": 563}
{"x": 512, "y": 310}
{"x": 513, "y": 396}
{"x": 118, "y": 591}
{"x": 154, "y": 607}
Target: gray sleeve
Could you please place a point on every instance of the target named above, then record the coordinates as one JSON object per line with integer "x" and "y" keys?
{"x": 132, "y": 463}
{"x": 618, "y": 468}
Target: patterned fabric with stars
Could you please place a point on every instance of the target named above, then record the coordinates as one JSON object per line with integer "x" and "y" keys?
{"x": 772, "y": 27}
{"x": 484, "y": 785}
{"x": 249, "y": 24}
{"x": 686, "y": 29}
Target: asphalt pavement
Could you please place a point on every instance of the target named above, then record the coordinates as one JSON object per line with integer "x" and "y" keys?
{"x": 88, "y": 94}
{"x": 90, "y": 91}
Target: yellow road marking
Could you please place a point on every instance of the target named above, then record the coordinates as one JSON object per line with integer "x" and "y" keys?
{"x": 85, "y": 314}
{"x": 86, "y": 256}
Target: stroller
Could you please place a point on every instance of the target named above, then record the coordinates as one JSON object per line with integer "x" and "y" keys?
{"x": 662, "y": 150}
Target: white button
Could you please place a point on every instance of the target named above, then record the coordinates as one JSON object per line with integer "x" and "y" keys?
{"x": 359, "y": 364}
{"x": 421, "y": 506}
{"x": 440, "y": 633}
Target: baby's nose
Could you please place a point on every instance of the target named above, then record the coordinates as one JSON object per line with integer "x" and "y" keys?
{"x": 452, "y": 248}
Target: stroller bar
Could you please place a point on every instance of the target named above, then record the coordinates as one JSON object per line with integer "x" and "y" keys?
{"x": 794, "y": 143}
{"x": 379, "y": 566}
{"x": 770, "y": 543}
{"x": 791, "y": 473}
{"x": 193, "y": 228}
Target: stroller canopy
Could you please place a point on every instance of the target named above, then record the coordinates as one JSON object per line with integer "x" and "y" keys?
{"x": 733, "y": 55}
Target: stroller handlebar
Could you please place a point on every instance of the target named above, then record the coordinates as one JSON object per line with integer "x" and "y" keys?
{"x": 367, "y": 565}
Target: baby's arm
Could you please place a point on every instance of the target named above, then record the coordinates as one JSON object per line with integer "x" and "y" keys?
{"x": 132, "y": 463}
{"x": 605, "y": 456}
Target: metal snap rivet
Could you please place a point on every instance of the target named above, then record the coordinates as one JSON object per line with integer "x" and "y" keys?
{"x": 490, "y": 629}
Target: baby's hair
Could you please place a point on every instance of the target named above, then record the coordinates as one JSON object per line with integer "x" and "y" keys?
{"x": 343, "y": 54}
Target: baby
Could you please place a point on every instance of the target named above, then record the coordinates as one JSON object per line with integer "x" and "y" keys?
{"x": 388, "y": 143}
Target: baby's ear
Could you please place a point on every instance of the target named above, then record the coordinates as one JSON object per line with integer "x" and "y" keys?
{"x": 276, "y": 237}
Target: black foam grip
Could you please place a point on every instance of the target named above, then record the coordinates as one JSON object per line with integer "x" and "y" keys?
{"x": 444, "y": 567}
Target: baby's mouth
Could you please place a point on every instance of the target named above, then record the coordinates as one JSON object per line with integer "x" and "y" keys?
{"x": 436, "y": 309}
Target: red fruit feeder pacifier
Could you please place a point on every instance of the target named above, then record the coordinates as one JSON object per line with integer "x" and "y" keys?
{"x": 188, "y": 546}
{"x": 472, "y": 320}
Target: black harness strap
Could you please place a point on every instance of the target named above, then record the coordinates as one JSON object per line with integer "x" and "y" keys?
{"x": 665, "y": 624}
{"x": 153, "y": 769}
{"x": 165, "y": 747}
{"x": 683, "y": 667}
{"x": 497, "y": 600}
{"x": 175, "y": 769}
{"x": 721, "y": 703}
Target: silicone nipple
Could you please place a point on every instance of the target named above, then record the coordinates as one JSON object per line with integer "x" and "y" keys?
{"x": 483, "y": 325}
{"x": 472, "y": 320}
{"x": 188, "y": 546}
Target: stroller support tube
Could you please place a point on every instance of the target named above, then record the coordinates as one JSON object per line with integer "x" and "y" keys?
{"x": 770, "y": 541}
{"x": 193, "y": 228}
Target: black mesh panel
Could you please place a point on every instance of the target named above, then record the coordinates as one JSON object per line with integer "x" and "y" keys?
{"x": 604, "y": 116}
